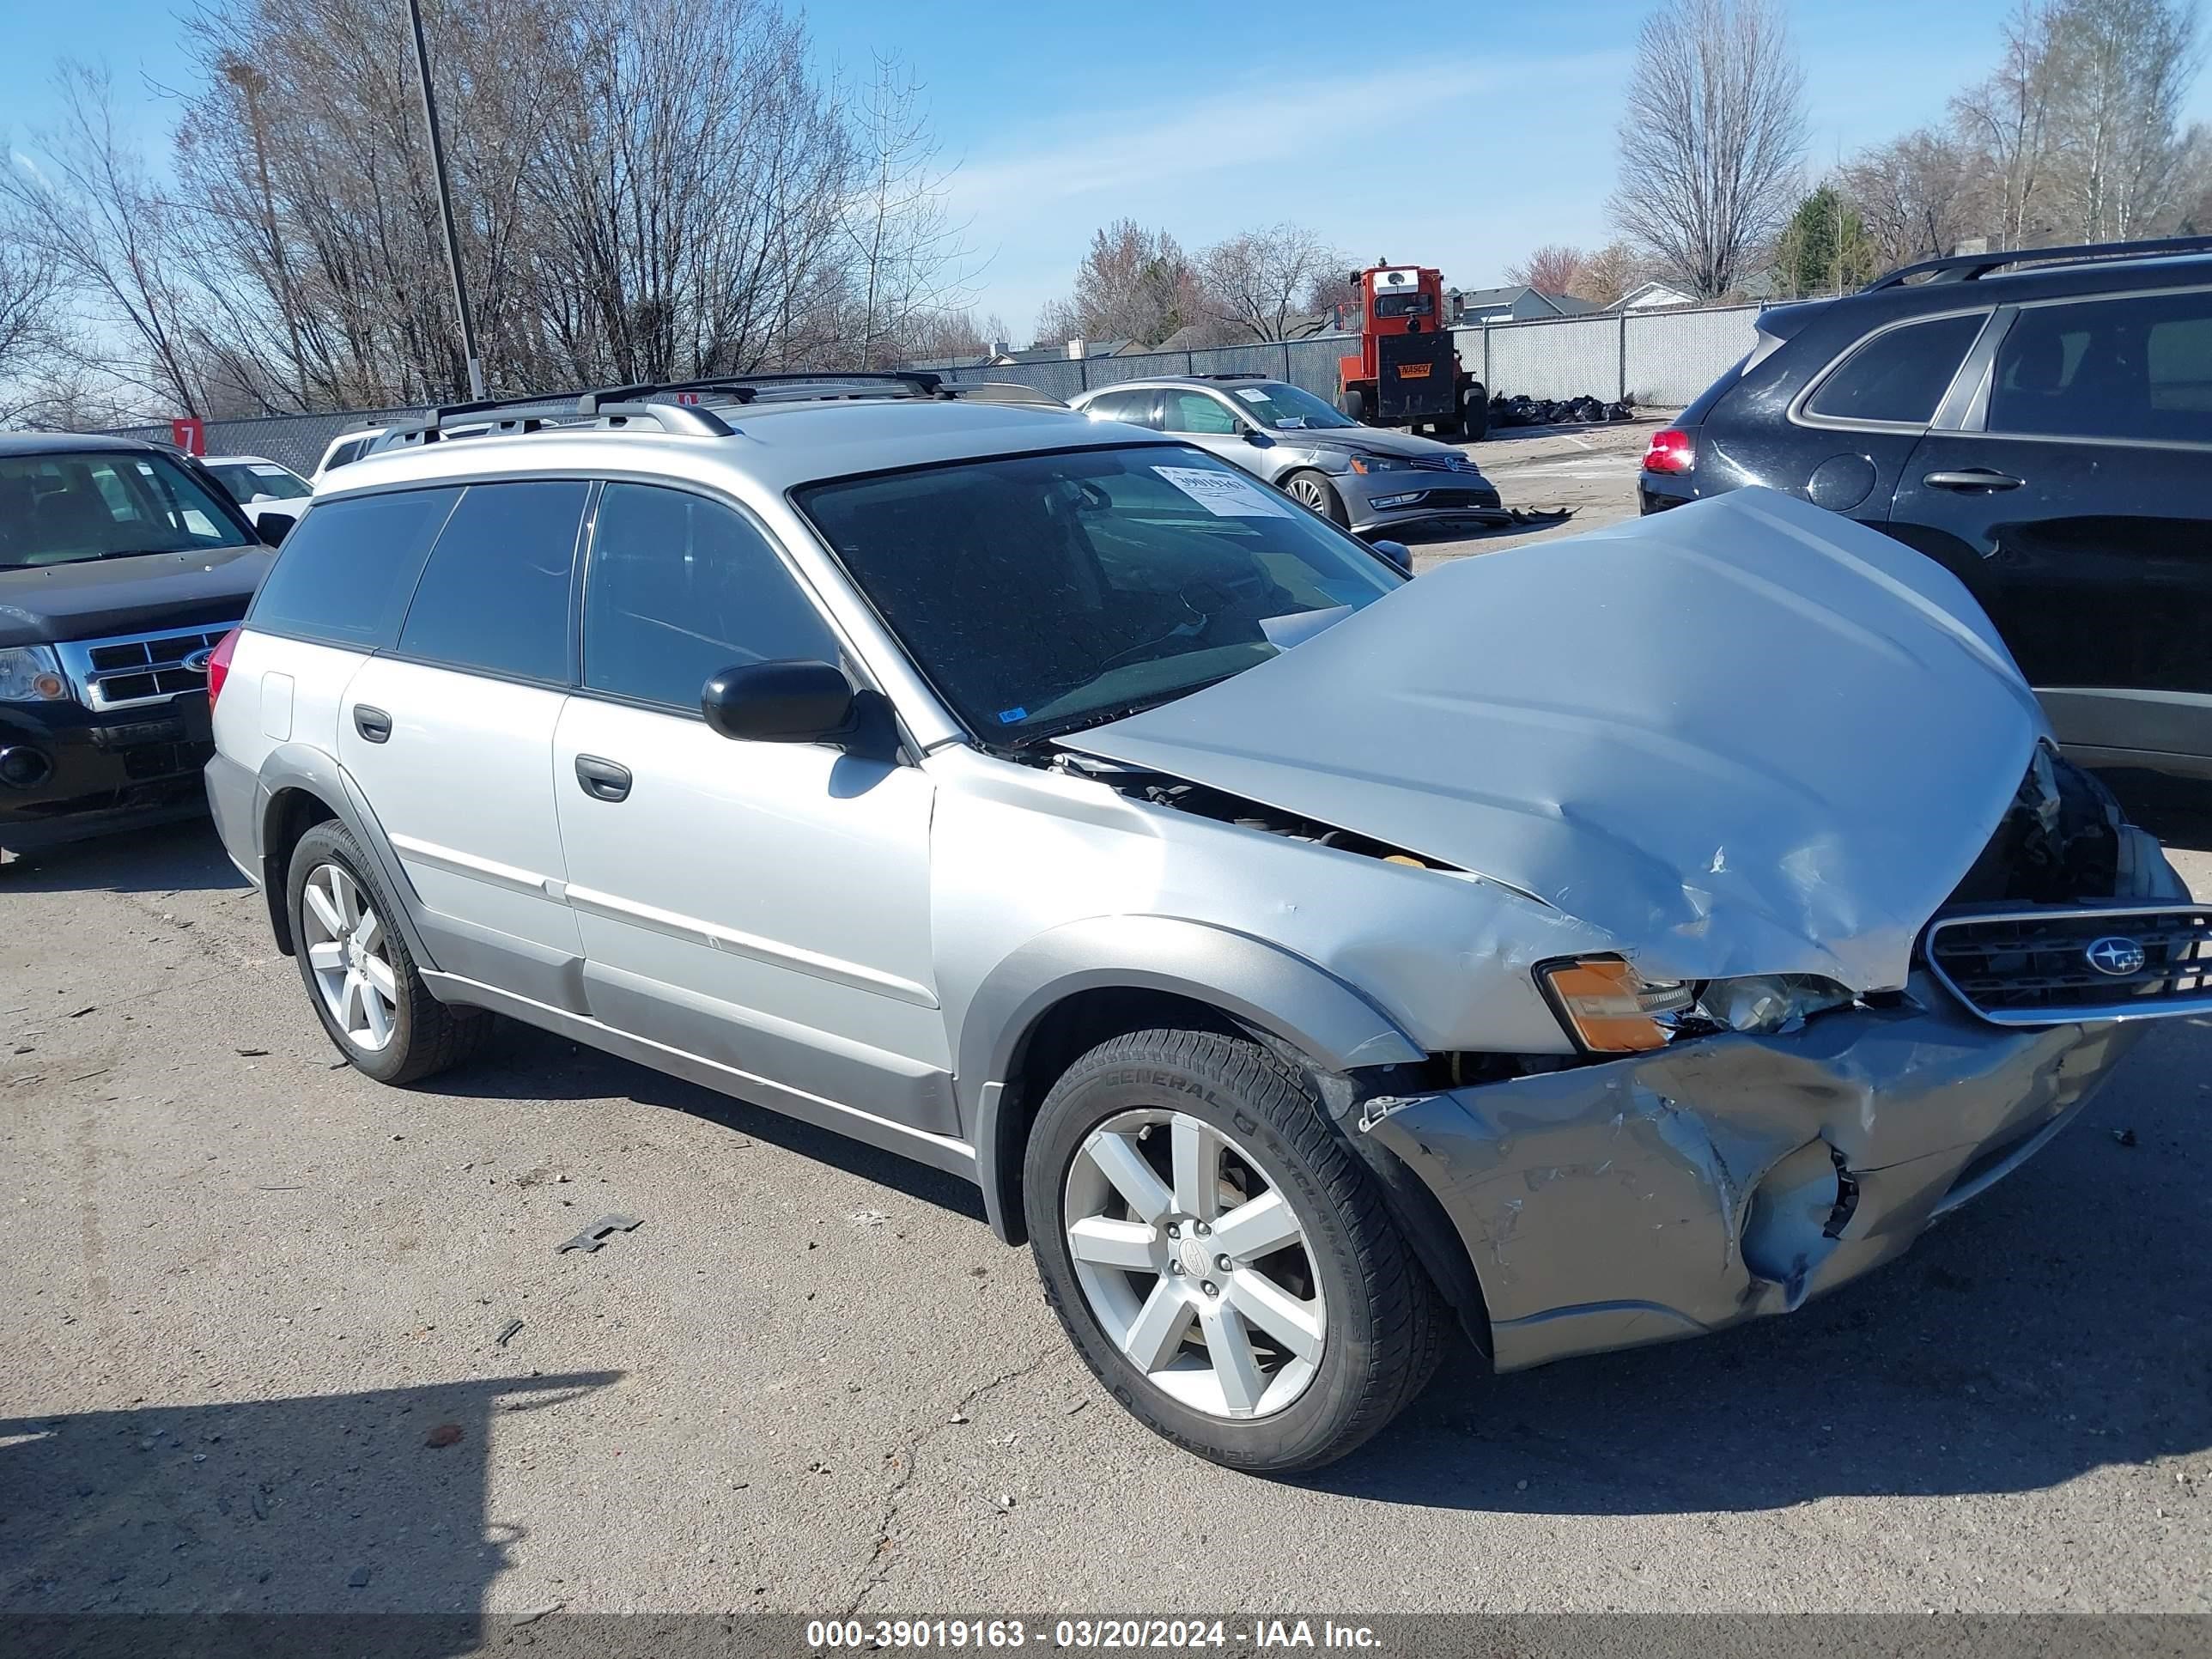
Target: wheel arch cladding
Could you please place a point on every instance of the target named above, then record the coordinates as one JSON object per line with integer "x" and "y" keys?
{"x": 1080, "y": 984}
{"x": 300, "y": 786}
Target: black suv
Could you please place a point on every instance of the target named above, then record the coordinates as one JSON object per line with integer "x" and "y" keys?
{"x": 122, "y": 567}
{"x": 2041, "y": 424}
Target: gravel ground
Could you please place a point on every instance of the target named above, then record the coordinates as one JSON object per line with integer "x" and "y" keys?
{"x": 1591, "y": 469}
{"x": 251, "y": 1354}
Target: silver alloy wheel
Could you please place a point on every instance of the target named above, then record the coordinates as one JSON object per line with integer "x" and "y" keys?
{"x": 347, "y": 950}
{"x": 1203, "y": 1279}
{"x": 1312, "y": 491}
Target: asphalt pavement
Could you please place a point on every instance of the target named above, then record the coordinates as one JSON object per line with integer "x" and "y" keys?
{"x": 277, "y": 1338}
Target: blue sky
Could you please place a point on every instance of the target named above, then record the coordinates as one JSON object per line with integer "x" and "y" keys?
{"x": 1456, "y": 135}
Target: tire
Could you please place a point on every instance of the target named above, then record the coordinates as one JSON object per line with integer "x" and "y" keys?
{"x": 1474, "y": 424}
{"x": 1352, "y": 403}
{"x": 1315, "y": 491}
{"x": 376, "y": 985}
{"x": 1367, "y": 1326}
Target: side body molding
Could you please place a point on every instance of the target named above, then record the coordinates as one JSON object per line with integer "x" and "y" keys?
{"x": 302, "y": 766}
{"x": 1259, "y": 984}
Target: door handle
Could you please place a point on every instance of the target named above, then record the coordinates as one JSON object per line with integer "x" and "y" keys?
{"x": 602, "y": 779}
{"x": 1973, "y": 478}
{"x": 373, "y": 724}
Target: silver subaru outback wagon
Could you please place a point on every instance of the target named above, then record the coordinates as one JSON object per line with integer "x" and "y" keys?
{"x": 1595, "y": 943}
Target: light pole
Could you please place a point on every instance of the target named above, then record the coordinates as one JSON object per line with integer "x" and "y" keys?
{"x": 446, "y": 206}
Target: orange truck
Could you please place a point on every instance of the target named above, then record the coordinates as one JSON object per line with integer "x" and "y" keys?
{"x": 1406, "y": 372}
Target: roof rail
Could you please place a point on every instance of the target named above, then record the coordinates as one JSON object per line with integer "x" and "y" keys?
{"x": 1246, "y": 374}
{"x": 1971, "y": 267}
{"x": 480, "y": 420}
{"x": 998, "y": 391}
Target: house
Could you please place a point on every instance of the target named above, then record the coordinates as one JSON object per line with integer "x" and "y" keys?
{"x": 1653, "y": 296}
{"x": 1512, "y": 304}
{"x": 1002, "y": 355}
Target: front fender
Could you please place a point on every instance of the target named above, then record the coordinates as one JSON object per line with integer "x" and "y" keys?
{"x": 1259, "y": 984}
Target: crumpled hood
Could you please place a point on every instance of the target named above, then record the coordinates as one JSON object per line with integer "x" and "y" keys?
{"x": 1374, "y": 440}
{"x": 94, "y": 598}
{"x": 1744, "y": 736}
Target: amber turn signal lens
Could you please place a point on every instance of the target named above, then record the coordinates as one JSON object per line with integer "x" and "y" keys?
{"x": 1608, "y": 1007}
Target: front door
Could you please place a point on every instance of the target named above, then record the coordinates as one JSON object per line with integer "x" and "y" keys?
{"x": 450, "y": 736}
{"x": 1203, "y": 419}
{"x": 2076, "y": 509}
{"x": 765, "y": 905}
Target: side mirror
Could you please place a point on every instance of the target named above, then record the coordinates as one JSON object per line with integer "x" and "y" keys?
{"x": 778, "y": 701}
{"x": 273, "y": 527}
{"x": 1397, "y": 552}
{"x": 1258, "y": 438}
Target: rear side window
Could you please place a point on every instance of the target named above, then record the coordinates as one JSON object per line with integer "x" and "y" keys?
{"x": 1900, "y": 375}
{"x": 345, "y": 575}
{"x": 1135, "y": 407}
{"x": 495, "y": 595}
{"x": 2139, "y": 367}
{"x": 680, "y": 588}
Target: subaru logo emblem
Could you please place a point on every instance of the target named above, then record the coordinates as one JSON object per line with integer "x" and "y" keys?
{"x": 2115, "y": 956}
{"x": 198, "y": 660}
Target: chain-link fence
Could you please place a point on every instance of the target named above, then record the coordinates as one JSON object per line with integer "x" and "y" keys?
{"x": 1663, "y": 358}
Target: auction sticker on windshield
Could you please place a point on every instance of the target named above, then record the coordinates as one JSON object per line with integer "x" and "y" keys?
{"x": 1225, "y": 494}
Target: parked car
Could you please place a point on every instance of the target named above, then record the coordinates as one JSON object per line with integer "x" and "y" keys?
{"x": 2040, "y": 424}
{"x": 346, "y": 449}
{"x": 261, "y": 489}
{"x": 1289, "y": 953}
{"x": 122, "y": 565}
{"x": 1366, "y": 478}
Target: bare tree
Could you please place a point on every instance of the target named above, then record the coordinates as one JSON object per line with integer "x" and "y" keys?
{"x": 1711, "y": 138}
{"x": 1609, "y": 273}
{"x": 89, "y": 213}
{"x": 904, "y": 249}
{"x": 27, "y": 295}
{"x": 2125, "y": 68}
{"x": 2008, "y": 118}
{"x": 1554, "y": 268}
{"x": 1257, "y": 281}
{"x": 1133, "y": 284}
{"x": 1919, "y": 197}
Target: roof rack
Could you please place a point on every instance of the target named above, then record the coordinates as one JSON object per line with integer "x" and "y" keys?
{"x": 480, "y": 419}
{"x": 1971, "y": 267}
{"x": 746, "y": 388}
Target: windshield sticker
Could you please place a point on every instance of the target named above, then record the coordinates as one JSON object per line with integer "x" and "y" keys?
{"x": 265, "y": 470}
{"x": 1252, "y": 394}
{"x": 1008, "y": 716}
{"x": 1225, "y": 494}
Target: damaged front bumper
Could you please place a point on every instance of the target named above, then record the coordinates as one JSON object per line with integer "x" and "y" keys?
{"x": 1673, "y": 1193}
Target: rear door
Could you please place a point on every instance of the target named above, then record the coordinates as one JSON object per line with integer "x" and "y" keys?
{"x": 450, "y": 736}
{"x": 2076, "y": 502}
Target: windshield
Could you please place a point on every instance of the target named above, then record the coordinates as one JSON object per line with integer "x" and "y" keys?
{"x": 258, "y": 481}
{"x": 1041, "y": 592}
{"x": 1289, "y": 408}
{"x": 61, "y": 509}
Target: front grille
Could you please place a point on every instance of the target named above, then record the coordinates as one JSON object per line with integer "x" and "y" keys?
{"x": 2042, "y": 967}
{"x": 138, "y": 669}
{"x": 1455, "y": 500}
{"x": 1442, "y": 464}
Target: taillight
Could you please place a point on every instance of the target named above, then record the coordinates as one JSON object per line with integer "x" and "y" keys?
{"x": 1671, "y": 450}
{"x": 218, "y": 669}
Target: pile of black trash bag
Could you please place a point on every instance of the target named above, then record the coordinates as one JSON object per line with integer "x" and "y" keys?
{"x": 1556, "y": 411}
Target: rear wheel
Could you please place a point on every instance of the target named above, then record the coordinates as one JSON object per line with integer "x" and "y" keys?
{"x": 1316, "y": 492}
{"x": 360, "y": 976}
{"x": 1225, "y": 1268}
{"x": 1474, "y": 424}
{"x": 1352, "y": 402}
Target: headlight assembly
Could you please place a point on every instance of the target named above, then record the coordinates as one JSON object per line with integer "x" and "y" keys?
{"x": 1380, "y": 464}
{"x": 1608, "y": 1008}
{"x": 31, "y": 674}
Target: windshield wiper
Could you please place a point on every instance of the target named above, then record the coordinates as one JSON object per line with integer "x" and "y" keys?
{"x": 1118, "y": 712}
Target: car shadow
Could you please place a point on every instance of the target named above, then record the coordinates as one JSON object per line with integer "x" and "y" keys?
{"x": 355, "y": 1503}
{"x": 521, "y": 1062}
{"x": 161, "y": 858}
{"x": 2053, "y": 1327}
{"x": 2177, "y": 811}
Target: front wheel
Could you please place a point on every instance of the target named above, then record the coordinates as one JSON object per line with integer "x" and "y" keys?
{"x": 1312, "y": 490}
{"x": 1223, "y": 1264}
